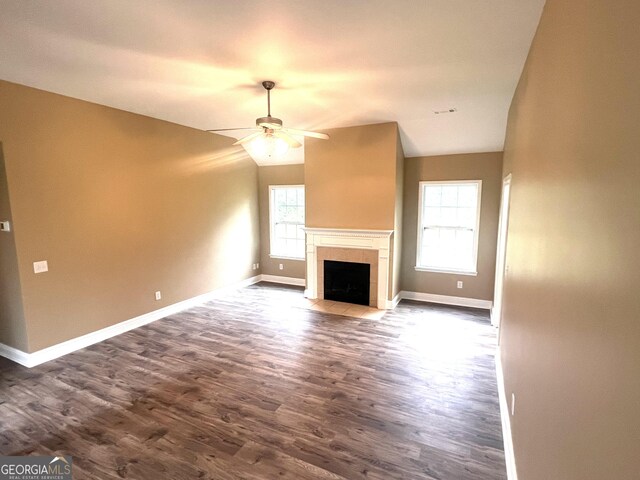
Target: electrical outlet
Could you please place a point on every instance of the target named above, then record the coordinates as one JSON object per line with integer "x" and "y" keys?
{"x": 40, "y": 267}
{"x": 5, "y": 226}
{"x": 459, "y": 284}
{"x": 513, "y": 404}
{"x": 158, "y": 295}
{"x": 281, "y": 267}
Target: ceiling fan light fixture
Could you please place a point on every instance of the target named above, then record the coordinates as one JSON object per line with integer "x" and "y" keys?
{"x": 268, "y": 147}
{"x": 272, "y": 140}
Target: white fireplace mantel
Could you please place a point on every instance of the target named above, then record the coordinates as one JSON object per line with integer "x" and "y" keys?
{"x": 379, "y": 240}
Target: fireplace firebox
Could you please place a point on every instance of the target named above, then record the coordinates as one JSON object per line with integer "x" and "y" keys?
{"x": 347, "y": 282}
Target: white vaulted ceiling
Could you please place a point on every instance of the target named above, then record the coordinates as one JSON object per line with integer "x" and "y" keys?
{"x": 336, "y": 63}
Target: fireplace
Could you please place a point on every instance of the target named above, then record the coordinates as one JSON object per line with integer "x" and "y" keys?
{"x": 367, "y": 247}
{"x": 347, "y": 282}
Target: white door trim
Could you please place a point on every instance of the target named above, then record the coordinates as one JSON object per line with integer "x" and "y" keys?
{"x": 501, "y": 251}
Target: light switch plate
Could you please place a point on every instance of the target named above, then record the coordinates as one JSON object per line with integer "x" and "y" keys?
{"x": 40, "y": 267}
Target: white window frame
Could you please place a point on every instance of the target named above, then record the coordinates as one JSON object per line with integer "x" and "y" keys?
{"x": 421, "y": 268}
{"x": 272, "y": 189}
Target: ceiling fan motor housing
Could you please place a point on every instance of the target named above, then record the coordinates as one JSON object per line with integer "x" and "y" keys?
{"x": 269, "y": 122}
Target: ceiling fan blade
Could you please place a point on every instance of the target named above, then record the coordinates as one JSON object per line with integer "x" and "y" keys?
{"x": 248, "y": 138}
{"x": 293, "y": 143}
{"x": 306, "y": 133}
{"x": 231, "y": 129}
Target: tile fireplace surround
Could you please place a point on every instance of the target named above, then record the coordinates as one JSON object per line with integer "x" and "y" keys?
{"x": 347, "y": 245}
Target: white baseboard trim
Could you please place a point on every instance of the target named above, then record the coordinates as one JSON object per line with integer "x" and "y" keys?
{"x": 284, "y": 280}
{"x": 447, "y": 300}
{"x": 509, "y": 456}
{"x": 14, "y": 354}
{"x": 391, "y": 304}
{"x": 46, "y": 354}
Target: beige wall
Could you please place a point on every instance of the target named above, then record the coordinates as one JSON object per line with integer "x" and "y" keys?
{"x": 13, "y": 330}
{"x": 277, "y": 175}
{"x": 120, "y": 205}
{"x": 351, "y": 178}
{"x": 352, "y": 181}
{"x": 570, "y": 338}
{"x": 474, "y": 166}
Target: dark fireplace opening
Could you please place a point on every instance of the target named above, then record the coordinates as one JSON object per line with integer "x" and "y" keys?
{"x": 346, "y": 282}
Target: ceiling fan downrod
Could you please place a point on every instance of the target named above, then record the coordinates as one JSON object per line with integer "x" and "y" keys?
{"x": 269, "y": 121}
{"x": 268, "y": 85}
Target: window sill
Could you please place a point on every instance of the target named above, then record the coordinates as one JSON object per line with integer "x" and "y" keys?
{"x": 450, "y": 272}
{"x": 282, "y": 257}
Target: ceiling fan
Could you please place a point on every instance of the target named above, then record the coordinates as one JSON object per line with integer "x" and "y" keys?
{"x": 270, "y": 137}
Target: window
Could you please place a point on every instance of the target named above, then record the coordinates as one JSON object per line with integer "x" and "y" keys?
{"x": 449, "y": 217}
{"x": 286, "y": 216}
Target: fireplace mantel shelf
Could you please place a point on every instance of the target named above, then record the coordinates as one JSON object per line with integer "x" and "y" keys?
{"x": 348, "y": 232}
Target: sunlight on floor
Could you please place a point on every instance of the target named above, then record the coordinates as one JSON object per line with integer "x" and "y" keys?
{"x": 441, "y": 337}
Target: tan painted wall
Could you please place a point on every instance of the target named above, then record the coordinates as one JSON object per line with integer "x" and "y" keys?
{"x": 277, "y": 175}
{"x": 120, "y": 205}
{"x": 351, "y": 178}
{"x": 351, "y": 182}
{"x": 474, "y": 166}
{"x": 570, "y": 339}
{"x": 13, "y": 330}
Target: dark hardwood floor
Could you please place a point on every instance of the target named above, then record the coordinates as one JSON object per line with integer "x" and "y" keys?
{"x": 249, "y": 387}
